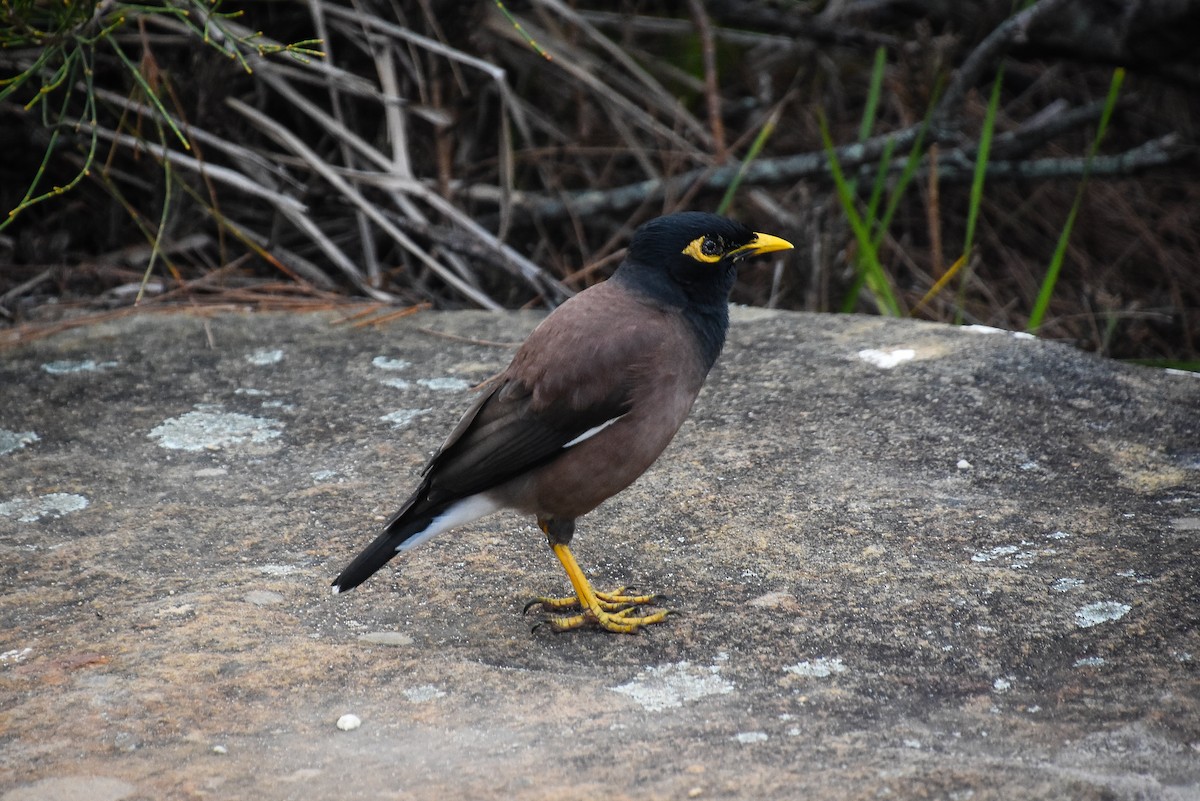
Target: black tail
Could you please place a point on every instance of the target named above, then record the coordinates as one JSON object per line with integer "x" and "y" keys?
{"x": 412, "y": 519}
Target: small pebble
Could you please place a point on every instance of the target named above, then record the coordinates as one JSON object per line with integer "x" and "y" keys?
{"x": 348, "y": 722}
{"x": 963, "y": 464}
{"x": 263, "y": 597}
{"x": 220, "y": 750}
{"x": 395, "y": 639}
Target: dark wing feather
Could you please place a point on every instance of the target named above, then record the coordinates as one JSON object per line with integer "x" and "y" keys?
{"x": 574, "y": 372}
{"x": 507, "y": 437}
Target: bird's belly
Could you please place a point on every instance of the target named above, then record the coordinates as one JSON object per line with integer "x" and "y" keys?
{"x": 598, "y": 468}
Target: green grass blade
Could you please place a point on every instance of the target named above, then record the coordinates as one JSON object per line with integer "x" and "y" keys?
{"x": 981, "y": 160}
{"x": 873, "y": 93}
{"x": 868, "y": 256}
{"x": 975, "y": 201}
{"x": 760, "y": 140}
{"x": 1046, "y": 291}
{"x": 151, "y": 96}
{"x": 910, "y": 169}
{"x": 877, "y": 188}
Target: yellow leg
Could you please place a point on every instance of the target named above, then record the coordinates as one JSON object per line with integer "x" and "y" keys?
{"x": 611, "y": 611}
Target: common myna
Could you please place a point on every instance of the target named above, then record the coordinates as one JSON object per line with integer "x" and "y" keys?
{"x": 589, "y": 401}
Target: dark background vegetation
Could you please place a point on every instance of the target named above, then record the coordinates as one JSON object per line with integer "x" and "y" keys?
{"x": 434, "y": 155}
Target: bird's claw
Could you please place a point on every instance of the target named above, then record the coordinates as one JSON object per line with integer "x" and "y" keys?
{"x": 614, "y": 601}
{"x": 614, "y": 611}
{"x": 620, "y": 622}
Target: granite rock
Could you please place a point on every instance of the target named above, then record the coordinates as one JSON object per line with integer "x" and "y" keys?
{"x": 908, "y": 560}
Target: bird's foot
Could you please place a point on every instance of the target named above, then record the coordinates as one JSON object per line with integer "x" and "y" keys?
{"x": 613, "y": 601}
{"x": 623, "y": 621}
{"x": 613, "y": 611}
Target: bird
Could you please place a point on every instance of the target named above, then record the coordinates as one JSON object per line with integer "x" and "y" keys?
{"x": 589, "y": 401}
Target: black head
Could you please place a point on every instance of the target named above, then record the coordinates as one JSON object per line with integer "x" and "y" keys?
{"x": 689, "y": 261}
{"x": 690, "y": 258}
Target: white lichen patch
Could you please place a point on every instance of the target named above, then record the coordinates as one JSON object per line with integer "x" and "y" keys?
{"x": 1089, "y": 661}
{"x": 279, "y": 570}
{"x": 1066, "y": 584}
{"x": 30, "y": 510}
{"x": 1002, "y": 685}
{"x": 995, "y": 553}
{"x": 886, "y": 360}
{"x": 665, "y": 686}
{"x": 15, "y": 440}
{"x": 208, "y": 428}
{"x": 983, "y": 329}
{"x": 820, "y": 668}
{"x": 15, "y": 656}
{"x": 403, "y": 418}
{"x": 395, "y": 383}
{"x": 83, "y": 366}
{"x": 445, "y": 384}
{"x": 385, "y": 363}
{"x": 423, "y": 694}
{"x": 751, "y": 737}
{"x": 987, "y": 329}
{"x": 264, "y": 357}
{"x": 1100, "y": 612}
{"x": 323, "y": 475}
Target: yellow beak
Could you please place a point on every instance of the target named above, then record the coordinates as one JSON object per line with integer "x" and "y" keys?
{"x": 762, "y": 243}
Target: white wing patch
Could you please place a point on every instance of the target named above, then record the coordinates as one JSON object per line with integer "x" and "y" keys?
{"x": 591, "y": 432}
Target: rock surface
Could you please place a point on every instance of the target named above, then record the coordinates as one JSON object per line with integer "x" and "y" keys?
{"x": 909, "y": 561}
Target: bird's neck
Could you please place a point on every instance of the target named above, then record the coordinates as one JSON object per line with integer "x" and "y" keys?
{"x": 706, "y": 313}
{"x": 710, "y": 325}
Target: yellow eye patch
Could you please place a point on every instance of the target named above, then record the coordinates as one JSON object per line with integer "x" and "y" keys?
{"x": 705, "y": 249}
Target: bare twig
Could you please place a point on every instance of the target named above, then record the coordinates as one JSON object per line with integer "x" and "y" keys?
{"x": 1158, "y": 152}
{"x": 712, "y": 89}
{"x": 512, "y": 261}
{"x": 293, "y": 143}
{"x": 619, "y": 55}
{"x": 224, "y": 175}
{"x": 954, "y": 166}
{"x": 1013, "y": 31}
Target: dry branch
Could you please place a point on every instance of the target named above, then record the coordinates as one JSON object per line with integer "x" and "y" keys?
{"x": 293, "y": 143}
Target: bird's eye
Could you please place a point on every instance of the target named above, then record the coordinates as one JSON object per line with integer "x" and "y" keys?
{"x": 706, "y": 249}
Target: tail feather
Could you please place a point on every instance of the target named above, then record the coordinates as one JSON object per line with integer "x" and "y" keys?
{"x": 417, "y": 521}
{"x": 381, "y": 550}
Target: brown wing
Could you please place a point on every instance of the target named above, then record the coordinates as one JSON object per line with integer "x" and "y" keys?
{"x": 575, "y": 372}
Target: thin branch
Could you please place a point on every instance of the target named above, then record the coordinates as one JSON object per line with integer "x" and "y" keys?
{"x": 954, "y": 166}
{"x": 1158, "y": 152}
{"x": 712, "y": 89}
{"x": 762, "y": 172}
{"x": 984, "y": 58}
{"x": 218, "y": 173}
{"x": 293, "y": 143}
{"x": 513, "y": 262}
